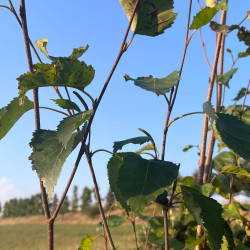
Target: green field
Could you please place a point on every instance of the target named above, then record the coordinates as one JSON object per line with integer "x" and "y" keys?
{"x": 67, "y": 236}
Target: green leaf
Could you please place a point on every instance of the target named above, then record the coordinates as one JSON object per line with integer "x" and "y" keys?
{"x": 64, "y": 72}
{"x": 205, "y": 16}
{"x": 152, "y": 17}
{"x": 116, "y": 220}
{"x": 218, "y": 27}
{"x": 145, "y": 148}
{"x": 187, "y": 147}
{"x": 141, "y": 181}
{"x": 235, "y": 134}
{"x": 42, "y": 44}
{"x": 203, "y": 209}
{"x": 241, "y": 94}
{"x": 66, "y": 104}
{"x": 113, "y": 167}
{"x": 86, "y": 242}
{"x": 11, "y": 113}
{"x": 230, "y": 211}
{"x": 78, "y": 52}
{"x": 49, "y": 155}
{"x": 240, "y": 172}
{"x": 192, "y": 242}
{"x": 159, "y": 86}
{"x": 244, "y": 35}
{"x": 224, "y": 79}
{"x": 69, "y": 124}
{"x": 188, "y": 181}
{"x": 228, "y": 240}
{"x": 209, "y": 110}
{"x": 157, "y": 224}
{"x": 231, "y": 131}
{"x": 223, "y": 159}
{"x": 136, "y": 140}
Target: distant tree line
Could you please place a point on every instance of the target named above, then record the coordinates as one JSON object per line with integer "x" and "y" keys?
{"x": 33, "y": 205}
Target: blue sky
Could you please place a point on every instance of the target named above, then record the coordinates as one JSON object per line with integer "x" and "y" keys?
{"x": 125, "y": 107}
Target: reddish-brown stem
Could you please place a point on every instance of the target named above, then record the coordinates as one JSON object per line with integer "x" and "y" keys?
{"x": 174, "y": 91}
{"x": 134, "y": 229}
{"x": 104, "y": 237}
{"x": 165, "y": 216}
{"x": 22, "y": 12}
{"x": 204, "y": 50}
{"x": 82, "y": 149}
{"x": 231, "y": 189}
{"x": 208, "y": 161}
{"x": 98, "y": 199}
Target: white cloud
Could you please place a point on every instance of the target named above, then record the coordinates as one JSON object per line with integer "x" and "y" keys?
{"x": 8, "y": 190}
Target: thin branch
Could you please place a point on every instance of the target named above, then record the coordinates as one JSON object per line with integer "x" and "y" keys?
{"x": 243, "y": 104}
{"x": 215, "y": 176}
{"x": 145, "y": 153}
{"x": 204, "y": 50}
{"x": 55, "y": 110}
{"x": 67, "y": 92}
{"x": 4, "y": 6}
{"x": 165, "y": 216}
{"x": 107, "y": 151}
{"x": 175, "y": 90}
{"x": 134, "y": 229}
{"x": 181, "y": 116}
{"x": 82, "y": 149}
{"x": 98, "y": 200}
{"x": 166, "y": 98}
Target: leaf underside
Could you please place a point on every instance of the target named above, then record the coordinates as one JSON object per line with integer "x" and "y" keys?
{"x": 159, "y": 86}
{"x": 225, "y": 78}
{"x": 66, "y": 104}
{"x": 118, "y": 145}
{"x": 49, "y": 155}
{"x": 11, "y": 113}
{"x": 152, "y": 17}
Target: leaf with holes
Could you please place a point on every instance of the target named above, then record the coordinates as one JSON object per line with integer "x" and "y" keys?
{"x": 205, "y": 15}
{"x": 49, "y": 155}
{"x": 11, "y": 113}
{"x": 159, "y": 86}
{"x": 203, "y": 209}
{"x": 66, "y": 104}
{"x": 140, "y": 181}
{"x": 69, "y": 124}
{"x": 224, "y": 79}
{"x": 152, "y": 17}
{"x": 118, "y": 145}
{"x": 64, "y": 72}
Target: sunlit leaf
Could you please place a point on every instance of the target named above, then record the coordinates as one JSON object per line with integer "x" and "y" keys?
{"x": 145, "y": 148}
{"x": 240, "y": 172}
{"x": 187, "y": 147}
{"x": 203, "y": 209}
{"x": 69, "y": 124}
{"x": 211, "y": 3}
{"x": 159, "y": 86}
{"x": 152, "y": 17}
{"x": 224, "y": 79}
{"x": 141, "y": 181}
{"x": 66, "y": 104}
{"x": 136, "y": 140}
{"x": 205, "y": 15}
{"x": 49, "y": 155}
{"x": 86, "y": 242}
{"x": 11, "y": 113}
{"x": 64, "y": 72}
{"x": 223, "y": 159}
{"x": 192, "y": 242}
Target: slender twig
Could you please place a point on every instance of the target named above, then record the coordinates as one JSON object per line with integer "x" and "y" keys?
{"x": 166, "y": 98}
{"x": 82, "y": 148}
{"x": 130, "y": 41}
{"x": 22, "y": 13}
{"x": 104, "y": 237}
{"x": 145, "y": 153}
{"x": 89, "y": 96}
{"x": 165, "y": 216}
{"x": 216, "y": 176}
{"x": 55, "y": 110}
{"x": 4, "y": 6}
{"x": 67, "y": 92}
{"x": 107, "y": 151}
{"x": 181, "y": 116}
{"x": 175, "y": 90}
{"x": 204, "y": 50}
{"x": 149, "y": 230}
{"x": 231, "y": 188}
{"x": 134, "y": 229}
{"x": 98, "y": 199}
